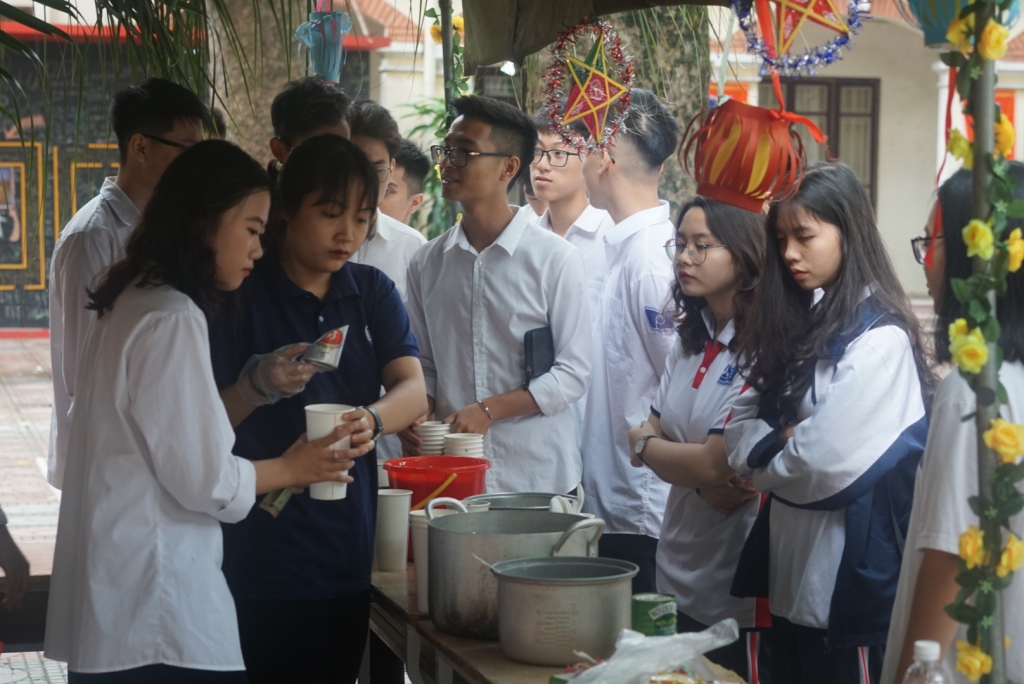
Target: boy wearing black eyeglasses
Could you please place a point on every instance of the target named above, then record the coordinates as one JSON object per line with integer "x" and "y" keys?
{"x": 479, "y": 292}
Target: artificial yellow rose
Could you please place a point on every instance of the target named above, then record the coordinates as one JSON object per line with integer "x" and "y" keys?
{"x": 970, "y": 352}
{"x": 961, "y": 148}
{"x": 992, "y": 45}
{"x": 960, "y": 32}
{"x": 1006, "y": 439}
{"x": 958, "y": 329}
{"x": 1012, "y": 557}
{"x": 972, "y": 547}
{"x": 979, "y": 240}
{"x": 437, "y": 170}
{"x": 971, "y": 661}
{"x": 435, "y": 33}
{"x": 1005, "y": 136}
{"x": 1015, "y": 246}
{"x": 458, "y": 23}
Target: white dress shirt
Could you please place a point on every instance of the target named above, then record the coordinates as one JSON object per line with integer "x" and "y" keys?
{"x": 150, "y": 476}
{"x": 391, "y": 249}
{"x": 633, "y": 336}
{"x": 587, "y": 235}
{"x": 946, "y": 480}
{"x": 92, "y": 241}
{"x": 529, "y": 213}
{"x": 699, "y": 547}
{"x": 470, "y": 312}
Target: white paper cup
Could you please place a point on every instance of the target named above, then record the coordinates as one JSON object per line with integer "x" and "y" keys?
{"x": 382, "y": 475}
{"x": 391, "y": 544}
{"x": 321, "y": 419}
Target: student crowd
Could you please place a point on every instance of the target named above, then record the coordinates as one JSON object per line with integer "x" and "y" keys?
{"x": 747, "y": 398}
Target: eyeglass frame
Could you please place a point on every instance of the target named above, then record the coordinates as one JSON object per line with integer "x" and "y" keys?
{"x": 539, "y": 154}
{"x": 164, "y": 141}
{"x": 672, "y": 250}
{"x": 469, "y": 153}
{"x": 383, "y": 172}
{"x": 915, "y": 241}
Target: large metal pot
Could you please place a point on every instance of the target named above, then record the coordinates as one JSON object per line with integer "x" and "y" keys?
{"x": 463, "y": 594}
{"x": 550, "y": 607}
{"x": 518, "y": 501}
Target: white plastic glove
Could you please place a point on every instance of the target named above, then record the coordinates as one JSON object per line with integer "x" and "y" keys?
{"x": 268, "y": 378}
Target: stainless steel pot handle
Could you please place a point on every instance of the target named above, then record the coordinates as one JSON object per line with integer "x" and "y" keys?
{"x": 596, "y": 523}
{"x": 445, "y": 501}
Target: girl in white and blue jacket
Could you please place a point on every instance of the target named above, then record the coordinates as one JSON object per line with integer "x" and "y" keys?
{"x": 833, "y": 430}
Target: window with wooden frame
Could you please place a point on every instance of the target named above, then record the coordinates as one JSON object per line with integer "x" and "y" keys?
{"x": 846, "y": 110}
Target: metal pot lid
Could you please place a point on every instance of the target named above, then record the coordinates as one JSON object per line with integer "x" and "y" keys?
{"x": 518, "y": 500}
{"x": 506, "y": 522}
{"x": 560, "y": 570}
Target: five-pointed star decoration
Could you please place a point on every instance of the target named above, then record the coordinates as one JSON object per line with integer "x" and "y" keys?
{"x": 791, "y": 15}
{"x": 593, "y": 91}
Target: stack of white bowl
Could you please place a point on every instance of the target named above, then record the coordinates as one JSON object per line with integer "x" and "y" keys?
{"x": 432, "y": 433}
{"x": 464, "y": 444}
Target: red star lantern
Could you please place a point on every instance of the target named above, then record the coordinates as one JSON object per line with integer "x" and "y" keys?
{"x": 593, "y": 91}
{"x": 790, "y": 16}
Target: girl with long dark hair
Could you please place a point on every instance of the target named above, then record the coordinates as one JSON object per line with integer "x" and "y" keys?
{"x": 949, "y": 469}
{"x": 833, "y": 430}
{"x": 717, "y": 254}
{"x": 301, "y": 580}
{"x": 137, "y": 594}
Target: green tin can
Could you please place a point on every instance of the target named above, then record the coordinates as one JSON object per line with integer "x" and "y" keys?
{"x": 654, "y": 614}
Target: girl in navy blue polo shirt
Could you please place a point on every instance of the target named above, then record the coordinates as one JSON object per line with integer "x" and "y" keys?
{"x": 717, "y": 255}
{"x": 301, "y": 581}
{"x": 833, "y": 429}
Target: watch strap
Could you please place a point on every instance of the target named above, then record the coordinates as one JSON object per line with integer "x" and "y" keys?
{"x": 645, "y": 439}
{"x": 378, "y": 428}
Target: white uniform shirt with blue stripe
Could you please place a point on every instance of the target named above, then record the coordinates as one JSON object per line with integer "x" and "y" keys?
{"x": 632, "y": 339}
{"x": 699, "y": 547}
{"x": 856, "y": 408}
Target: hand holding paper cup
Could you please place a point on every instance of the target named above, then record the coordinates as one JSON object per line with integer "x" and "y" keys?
{"x": 314, "y": 460}
{"x": 321, "y": 419}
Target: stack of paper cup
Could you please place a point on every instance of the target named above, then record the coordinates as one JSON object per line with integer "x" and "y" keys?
{"x": 390, "y": 549}
{"x": 464, "y": 444}
{"x": 320, "y": 420}
{"x": 432, "y": 433}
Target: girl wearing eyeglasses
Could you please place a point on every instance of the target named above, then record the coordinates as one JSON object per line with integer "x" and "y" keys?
{"x": 717, "y": 255}
{"x": 949, "y": 471}
{"x": 833, "y": 430}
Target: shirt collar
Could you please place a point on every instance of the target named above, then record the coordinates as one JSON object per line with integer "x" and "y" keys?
{"x": 385, "y": 231}
{"x": 589, "y": 221}
{"x": 284, "y": 288}
{"x": 637, "y": 222}
{"x": 725, "y": 337}
{"x": 508, "y": 240}
{"x": 114, "y": 196}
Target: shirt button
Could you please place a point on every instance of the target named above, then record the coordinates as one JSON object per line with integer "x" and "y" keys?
{"x": 321, "y": 319}
{"x": 702, "y": 368}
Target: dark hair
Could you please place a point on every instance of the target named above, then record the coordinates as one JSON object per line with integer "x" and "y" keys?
{"x": 511, "y": 129}
{"x": 154, "y": 107}
{"x": 543, "y": 124}
{"x": 742, "y": 232}
{"x": 307, "y": 104}
{"x": 172, "y": 244}
{"x": 416, "y": 164}
{"x": 786, "y": 334}
{"x": 370, "y": 120}
{"x": 326, "y": 164}
{"x": 955, "y": 198}
{"x": 650, "y": 128}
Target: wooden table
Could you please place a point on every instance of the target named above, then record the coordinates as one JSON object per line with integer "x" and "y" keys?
{"x": 431, "y": 656}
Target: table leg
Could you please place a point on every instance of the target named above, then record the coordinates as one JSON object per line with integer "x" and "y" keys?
{"x": 445, "y": 673}
{"x": 413, "y": 644}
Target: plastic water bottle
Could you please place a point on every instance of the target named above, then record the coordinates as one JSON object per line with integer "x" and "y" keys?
{"x": 928, "y": 667}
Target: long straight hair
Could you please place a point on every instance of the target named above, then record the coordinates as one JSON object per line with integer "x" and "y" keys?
{"x": 955, "y": 198}
{"x": 742, "y": 233}
{"x": 786, "y": 333}
{"x": 172, "y": 245}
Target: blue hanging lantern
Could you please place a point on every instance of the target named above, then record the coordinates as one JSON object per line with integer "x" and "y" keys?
{"x": 935, "y": 16}
{"x": 323, "y": 35}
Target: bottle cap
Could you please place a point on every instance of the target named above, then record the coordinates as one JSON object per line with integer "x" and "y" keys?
{"x": 927, "y": 651}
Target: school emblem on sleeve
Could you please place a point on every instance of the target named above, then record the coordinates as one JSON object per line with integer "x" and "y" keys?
{"x": 658, "y": 322}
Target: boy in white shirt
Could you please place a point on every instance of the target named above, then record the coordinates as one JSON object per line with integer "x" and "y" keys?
{"x": 633, "y": 334}
{"x": 405, "y": 187}
{"x": 153, "y": 121}
{"x": 477, "y": 290}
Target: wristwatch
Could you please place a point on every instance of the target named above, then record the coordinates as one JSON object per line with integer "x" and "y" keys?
{"x": 641, "y": 444}
{"x": 378, "y": 428}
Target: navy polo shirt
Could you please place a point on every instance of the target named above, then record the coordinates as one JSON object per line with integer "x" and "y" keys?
{"x": 313, "y": 550}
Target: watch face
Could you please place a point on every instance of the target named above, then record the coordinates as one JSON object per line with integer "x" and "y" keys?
{"x": 640, "y": 444}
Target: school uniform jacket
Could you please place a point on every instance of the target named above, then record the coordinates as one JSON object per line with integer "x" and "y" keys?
{"x": 827, "y": 547}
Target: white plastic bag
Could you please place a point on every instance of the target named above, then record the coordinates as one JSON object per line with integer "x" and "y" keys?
{"x": 637, "y": 658}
